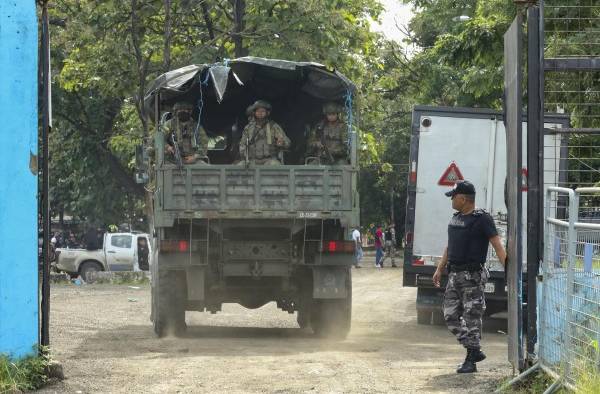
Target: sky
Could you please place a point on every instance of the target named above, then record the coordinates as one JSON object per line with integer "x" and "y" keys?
{"x": 395, "y": 13}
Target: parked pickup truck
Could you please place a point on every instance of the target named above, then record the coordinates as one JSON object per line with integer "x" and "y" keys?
{"x": 120, "y": 252}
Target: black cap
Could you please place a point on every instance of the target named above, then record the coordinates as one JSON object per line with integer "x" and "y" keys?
{"x": 461, "y": 187}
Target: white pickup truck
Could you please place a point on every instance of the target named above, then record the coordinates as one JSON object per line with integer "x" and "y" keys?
{"x": 120, "y": 252}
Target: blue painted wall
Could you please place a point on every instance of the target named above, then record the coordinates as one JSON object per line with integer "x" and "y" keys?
{"x": 18, "y": 183}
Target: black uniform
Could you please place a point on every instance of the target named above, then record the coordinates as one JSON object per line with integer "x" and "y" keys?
{"x": 468, "y": 242}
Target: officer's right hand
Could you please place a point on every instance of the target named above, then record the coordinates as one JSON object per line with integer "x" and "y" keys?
{"x": 437, "y": 276}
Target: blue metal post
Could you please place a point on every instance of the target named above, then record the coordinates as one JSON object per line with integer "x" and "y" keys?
{"x": 18, "y": 178}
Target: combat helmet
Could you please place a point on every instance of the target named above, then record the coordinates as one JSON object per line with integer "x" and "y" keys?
{"x": 260, "y": 104}
{"x": 331, "y": 108}
{"x": 181, "y": 105}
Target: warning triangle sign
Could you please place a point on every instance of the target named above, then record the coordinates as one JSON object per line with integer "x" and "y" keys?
{"x": 451, "y": 175}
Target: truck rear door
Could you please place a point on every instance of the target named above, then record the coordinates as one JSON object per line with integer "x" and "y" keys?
{"x": 456, "y": 144}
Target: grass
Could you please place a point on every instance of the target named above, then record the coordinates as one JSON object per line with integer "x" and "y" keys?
{"x": 131, "y": 281}
{"x": 588, "y": 382}
{"x": 28, "y": 373}
{"x": 535, "y": 383}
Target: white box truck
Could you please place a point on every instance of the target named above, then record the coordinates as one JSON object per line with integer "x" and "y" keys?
{"x": 448, "y": 144}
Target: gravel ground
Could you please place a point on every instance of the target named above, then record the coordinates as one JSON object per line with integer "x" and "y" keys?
{"x": 104, "y": 339}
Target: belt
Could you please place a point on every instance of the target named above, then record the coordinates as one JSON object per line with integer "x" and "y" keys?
{"x": 470, "y": 267}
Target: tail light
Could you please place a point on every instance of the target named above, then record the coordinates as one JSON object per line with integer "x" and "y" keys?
{"x": 338, "y": 247}
{"x": 409, "y": 238}
{"x": 418, "y": 262}
{"x": 413, "y": 172}
{"x": 174, "y": 246}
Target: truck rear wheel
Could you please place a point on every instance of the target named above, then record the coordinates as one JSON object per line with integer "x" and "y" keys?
{"x": 331, "y": 318}
{"x": 168, "y": 303}
{"x": 303, "y": 317}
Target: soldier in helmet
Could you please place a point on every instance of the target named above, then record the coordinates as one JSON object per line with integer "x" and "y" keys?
{"x": 262, "y": 139}
{"x": 192, "y": 144}
{"x": 328, "y": 139}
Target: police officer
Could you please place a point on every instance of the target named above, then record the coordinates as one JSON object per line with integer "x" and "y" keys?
{"x": 470, "y": 231}
{"x": 328, "y": 139}
{"x": 181, "y": 129}
{"x": 263, "y": 138}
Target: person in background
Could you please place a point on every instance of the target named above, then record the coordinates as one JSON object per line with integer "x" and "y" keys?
{"x": 358, "y": 252}
{"x": 143, "y": 253}
{"x": 72, "y": 242}
{"x": 390, "y": 247}
{"x": 378, "y": 247}
{"x": 91, "y": 239}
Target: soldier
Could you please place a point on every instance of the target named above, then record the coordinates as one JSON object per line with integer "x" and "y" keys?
{"x": 262, "y": 139}
{"x": 328, "y": 140}
{"x": 181, "y": 129}
{"x": 470, "y": 232}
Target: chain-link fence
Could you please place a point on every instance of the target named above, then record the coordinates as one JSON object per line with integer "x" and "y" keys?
{"x": 569, "y": 288}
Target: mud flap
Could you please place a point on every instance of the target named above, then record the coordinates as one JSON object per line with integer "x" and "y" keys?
{"x": 330, "y": 282}
{"x": 195, "y": 283}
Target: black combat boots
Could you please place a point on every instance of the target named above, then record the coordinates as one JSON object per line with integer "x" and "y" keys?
{"x": 473, "y": 356}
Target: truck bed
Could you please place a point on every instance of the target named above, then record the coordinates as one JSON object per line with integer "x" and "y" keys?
{"x": 226, "y": 190}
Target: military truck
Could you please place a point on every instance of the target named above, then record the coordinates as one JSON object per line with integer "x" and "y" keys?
{"x": 234, "y": 232}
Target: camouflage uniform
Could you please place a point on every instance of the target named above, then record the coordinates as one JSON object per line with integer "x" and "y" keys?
{"x": 464, "y": 305}
{"x": 260, "y": 139}
{"x": 191, "y": 144}
{"x": 332, "y": 135}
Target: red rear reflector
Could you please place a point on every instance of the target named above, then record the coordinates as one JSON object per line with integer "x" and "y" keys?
{"x": 183, "y": 246}
{"x": 332, "y": 247}
{"x": 172, "y": 245}
{"x": 338, "y": 246}
{"x": 418, "y": 262}
{"x": 413, "y": 177}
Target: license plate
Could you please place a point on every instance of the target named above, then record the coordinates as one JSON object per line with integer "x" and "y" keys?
{"x": 308, "y": 215}
{"x": 490, "y": 287}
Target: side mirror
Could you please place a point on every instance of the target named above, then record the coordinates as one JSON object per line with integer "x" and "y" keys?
{"x": 141, "y": 165}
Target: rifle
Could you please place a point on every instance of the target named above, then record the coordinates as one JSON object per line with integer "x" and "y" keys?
{"x": 178, "y": 159}
{"x": 247, "y": 148}
{"x": 324, "y": 148}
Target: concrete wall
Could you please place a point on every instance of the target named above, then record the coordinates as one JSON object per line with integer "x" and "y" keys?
{"x": 18, "y": 178}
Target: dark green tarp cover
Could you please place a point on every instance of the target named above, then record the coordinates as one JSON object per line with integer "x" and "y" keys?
{"x": 241, "y": 81}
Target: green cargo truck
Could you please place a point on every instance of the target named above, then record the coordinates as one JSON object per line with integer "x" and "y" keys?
{"x": 236, "y": 232}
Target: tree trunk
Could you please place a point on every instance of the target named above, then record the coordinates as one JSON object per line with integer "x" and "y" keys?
{"x": 167, "y": 49}
{"x": 142, "y": 66}
{"x": 239, "y": 10}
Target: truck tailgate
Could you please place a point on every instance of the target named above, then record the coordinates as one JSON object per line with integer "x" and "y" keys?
{"x": 260, "y": 188}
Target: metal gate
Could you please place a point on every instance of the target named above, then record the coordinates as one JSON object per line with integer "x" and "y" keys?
{"x": 513, "y": 75}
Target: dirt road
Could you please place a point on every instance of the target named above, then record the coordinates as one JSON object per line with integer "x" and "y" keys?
{"x": 103, "y": 337}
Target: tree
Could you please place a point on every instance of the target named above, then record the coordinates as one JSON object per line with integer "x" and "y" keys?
{"x": 106, "y": 51}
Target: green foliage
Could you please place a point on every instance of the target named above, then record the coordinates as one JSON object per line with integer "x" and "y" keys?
{"x": 28, "y": 373}
{"x": 105, "y": 52}
{"x": 454, "y": 63}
